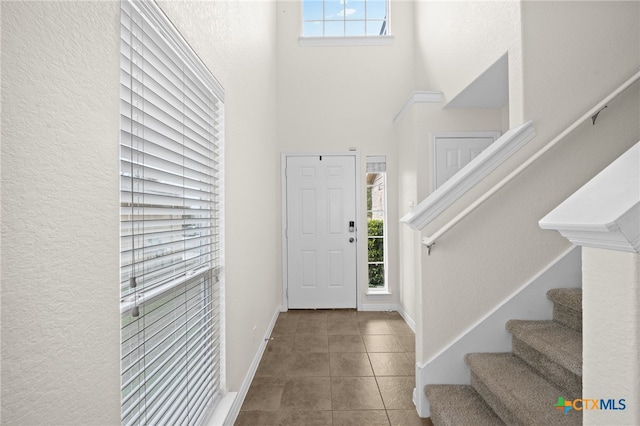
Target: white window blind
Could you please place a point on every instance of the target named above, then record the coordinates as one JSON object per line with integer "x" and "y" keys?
{"x": 376, "y": 164}
{"x": 171, "y": 232}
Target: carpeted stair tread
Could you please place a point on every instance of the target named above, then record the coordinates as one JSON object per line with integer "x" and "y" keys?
{"x": 560, "y": 344}
{"x": 568, "y": 297}
{"x": 456, "y": 405}
{"x": 517, "y": 394}
{"x": 567, "y": 306}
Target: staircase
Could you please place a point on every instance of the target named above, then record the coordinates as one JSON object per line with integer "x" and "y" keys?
{"x": 521, "y": 387}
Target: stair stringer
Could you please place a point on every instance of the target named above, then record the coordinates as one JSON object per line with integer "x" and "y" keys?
{"x": 489, "y": 334}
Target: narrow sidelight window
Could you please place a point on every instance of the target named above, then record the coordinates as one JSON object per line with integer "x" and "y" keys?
{"x": 376, "y": 221}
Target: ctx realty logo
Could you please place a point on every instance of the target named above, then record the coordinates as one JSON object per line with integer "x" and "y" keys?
{"x": 590, "y": 404}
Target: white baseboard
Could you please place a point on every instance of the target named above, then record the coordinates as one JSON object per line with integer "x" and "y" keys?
{"x": 234, "y": 409}
{"x": 380, "y": 307}
{"x": 410, "y": 322}
{"x": 489, "y": 334}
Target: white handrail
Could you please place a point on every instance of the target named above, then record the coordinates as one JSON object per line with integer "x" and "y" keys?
{"x": 430, "y": 241}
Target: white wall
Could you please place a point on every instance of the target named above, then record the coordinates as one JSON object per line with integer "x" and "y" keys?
{"x": 611, "y": 327}
{"x": 60, "y": 213}
{"x": 456, "y": 41}
{"x": 414, "y": 139}
{"x": 334, "y": 98}
{"x": 566, "y": 48}
{"x": 60, "y": 197}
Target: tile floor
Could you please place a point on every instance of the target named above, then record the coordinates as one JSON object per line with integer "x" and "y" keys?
{"x": 335, "y": 367}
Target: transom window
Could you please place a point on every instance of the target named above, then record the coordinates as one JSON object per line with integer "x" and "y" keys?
{"x": 345, "y": 18}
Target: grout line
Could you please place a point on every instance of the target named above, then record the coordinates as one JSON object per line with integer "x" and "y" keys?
{"x": 331, "y": 376}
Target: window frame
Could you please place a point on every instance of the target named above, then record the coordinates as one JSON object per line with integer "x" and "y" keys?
{"x": 346, "y": 40}
{"x": 377, "y": 166}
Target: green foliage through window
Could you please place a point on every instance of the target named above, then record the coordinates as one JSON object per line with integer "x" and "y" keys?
{"x": 375, "y": 247}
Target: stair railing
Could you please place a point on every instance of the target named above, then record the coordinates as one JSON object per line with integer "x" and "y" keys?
{"x": 430, "y": 241}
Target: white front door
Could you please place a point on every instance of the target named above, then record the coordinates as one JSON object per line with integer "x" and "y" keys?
{"x": 321, "y": 231}
{"x": 452, "y": 153}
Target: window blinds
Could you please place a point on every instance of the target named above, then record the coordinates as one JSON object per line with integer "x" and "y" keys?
{"x": 171, "y": 232}
{"x": 376, "y": 164}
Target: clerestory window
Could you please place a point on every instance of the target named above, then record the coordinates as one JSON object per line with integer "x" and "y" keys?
{"x": 345, "y": 18}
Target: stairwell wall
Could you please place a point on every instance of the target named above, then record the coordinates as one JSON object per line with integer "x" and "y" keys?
{"x": 458, "y": 40}
{"x": 568, "y": 65}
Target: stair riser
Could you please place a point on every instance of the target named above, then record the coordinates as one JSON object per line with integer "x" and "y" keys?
{"x": 567, "y": 316}
{"x": 554, "y": 373}
{"x": 494, "y": 402}
{"x": 456, "y": 405}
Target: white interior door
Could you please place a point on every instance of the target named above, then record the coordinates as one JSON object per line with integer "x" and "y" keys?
{"x": 452, "y": 153}
{"x": 321, "y": 231}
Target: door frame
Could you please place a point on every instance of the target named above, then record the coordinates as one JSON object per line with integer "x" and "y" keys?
{"x": 284, "y": 307}
{"x": 495, "y": 134}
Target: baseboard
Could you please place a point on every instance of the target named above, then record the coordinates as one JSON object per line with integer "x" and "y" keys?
{"x": 529, "y": 302}
{"x": 410, "y": 322}
{"x": 234, "y": 409}
{"x": 380, "y": 307}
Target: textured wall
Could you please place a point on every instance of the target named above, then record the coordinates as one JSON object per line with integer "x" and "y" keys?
{"x": 611, "y": 334}
{"x": 458, "y": 40}
{"x": 60, "y": 208}
{"x": 60, "y": 197}
{"x": 414, "y": 140}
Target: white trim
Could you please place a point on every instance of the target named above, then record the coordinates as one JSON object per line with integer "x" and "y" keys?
{"x": 444, "y": 135}
{"x": 450, "y": 191}
{"x": 488, "y": 334}
{"x": 283, "y": 231}
{"x": 378, "y": 294}
{"x": 234, "y": 410}
{"x": 222, "y": 410}
{"x": 410, "y": 322}
{"x": 605, "y": 212}
{"x": 386, "y": 40}
{"x": 418, "y": 97}
{"x": 379, "y": 307}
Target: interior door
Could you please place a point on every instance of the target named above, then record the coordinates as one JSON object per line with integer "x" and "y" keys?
{"x": 452, "y": 153}
{"x": 321, "y": 231}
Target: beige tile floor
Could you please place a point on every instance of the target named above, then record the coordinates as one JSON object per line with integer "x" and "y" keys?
{"x": 335, "y": 367}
